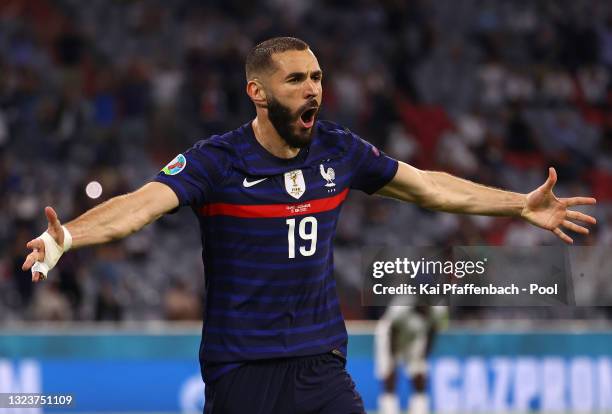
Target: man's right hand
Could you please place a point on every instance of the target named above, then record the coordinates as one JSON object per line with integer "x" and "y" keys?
{"x": 112, "y": 220}
{"x": 37, "y": 246}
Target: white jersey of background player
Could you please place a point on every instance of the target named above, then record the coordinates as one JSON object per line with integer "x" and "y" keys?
{"x": 404, "y": 336}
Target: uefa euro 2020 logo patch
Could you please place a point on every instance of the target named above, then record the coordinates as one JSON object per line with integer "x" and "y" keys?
{"x": 176, "y": 165}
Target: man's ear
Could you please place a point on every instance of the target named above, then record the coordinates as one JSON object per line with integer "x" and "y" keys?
{"x": 256, "y": 92}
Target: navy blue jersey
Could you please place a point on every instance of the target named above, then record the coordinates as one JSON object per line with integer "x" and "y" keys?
{"x": 267, "y": 227}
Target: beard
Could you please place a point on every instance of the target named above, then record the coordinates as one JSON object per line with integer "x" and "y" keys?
{"x": 286, "y": 122}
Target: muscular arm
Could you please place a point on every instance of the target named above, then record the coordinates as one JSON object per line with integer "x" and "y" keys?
{"x": 122, "y": 215}
{"x": 444, "y": 192}
{"x": 114, "y": 219}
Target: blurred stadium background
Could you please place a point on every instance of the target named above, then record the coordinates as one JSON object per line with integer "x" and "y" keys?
{"x": 110, "y": 90}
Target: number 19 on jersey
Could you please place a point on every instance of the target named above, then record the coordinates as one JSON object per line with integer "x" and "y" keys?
{"x": 307, "y": 230}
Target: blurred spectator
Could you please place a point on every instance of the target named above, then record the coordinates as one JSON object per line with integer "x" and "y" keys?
{"x": 605, "y": 40}
{"x": 519, "y": 136}
{"x": 594, "y": 82}
{"x": 107, "y": 306}
{"x": 50, "y": 305}
{"x": 181, "y": 304}
{"x": 557, "y": 86}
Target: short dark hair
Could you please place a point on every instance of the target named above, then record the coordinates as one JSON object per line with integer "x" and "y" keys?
{"x": 260, "y": 57}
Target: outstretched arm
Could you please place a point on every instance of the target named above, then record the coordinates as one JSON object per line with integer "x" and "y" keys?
{"x": 444, "y": 192}
{"x": 114, "y": 219}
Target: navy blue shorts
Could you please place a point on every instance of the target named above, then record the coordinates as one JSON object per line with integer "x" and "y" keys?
{"x": 301, "y": 385}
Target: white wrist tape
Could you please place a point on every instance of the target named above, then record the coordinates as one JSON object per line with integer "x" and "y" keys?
{"x": 53, "y": 252}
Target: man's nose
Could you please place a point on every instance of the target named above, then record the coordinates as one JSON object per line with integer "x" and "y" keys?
{"x": 310, "y": 89}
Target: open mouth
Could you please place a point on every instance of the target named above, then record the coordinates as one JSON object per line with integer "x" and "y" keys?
{"x": 308, "y": 117}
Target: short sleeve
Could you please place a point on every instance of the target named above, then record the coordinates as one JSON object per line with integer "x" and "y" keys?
{"x": 373, "y": 169}
{"x": 194, "y": 174}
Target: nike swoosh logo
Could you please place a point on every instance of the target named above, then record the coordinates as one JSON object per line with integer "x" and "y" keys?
{"x": 248, "y": 184}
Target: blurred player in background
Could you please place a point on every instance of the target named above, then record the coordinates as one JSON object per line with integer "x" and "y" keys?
{"x": 404, "y": 337}
{"x": 267, "y": 197}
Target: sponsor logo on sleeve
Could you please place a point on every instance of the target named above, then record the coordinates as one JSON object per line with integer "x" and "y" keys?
{"x": 176, "y": 165}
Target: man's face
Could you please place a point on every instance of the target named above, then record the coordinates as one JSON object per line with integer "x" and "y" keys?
{"x": 293, "y": 95}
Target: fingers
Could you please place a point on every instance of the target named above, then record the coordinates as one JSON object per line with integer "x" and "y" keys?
{"x": 33, "y": 257}
{"x": 559, "y": 233}
{"x": 36, "y": 244}
{"x": 54, "y": 222}
{"x": 37, "y": 277}
{"x": 574, "y": 201}
{"x": 576, "y": 215}
{"x": 37, "y": 255}
{"x": 575, "y": 227}
{"x": 552, "y": 179}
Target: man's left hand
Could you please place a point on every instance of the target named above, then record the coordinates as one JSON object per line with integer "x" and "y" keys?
{"x": 544, "y": 209}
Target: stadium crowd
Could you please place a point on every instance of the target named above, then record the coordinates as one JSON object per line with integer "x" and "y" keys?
{"x": 493, "y": 91}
